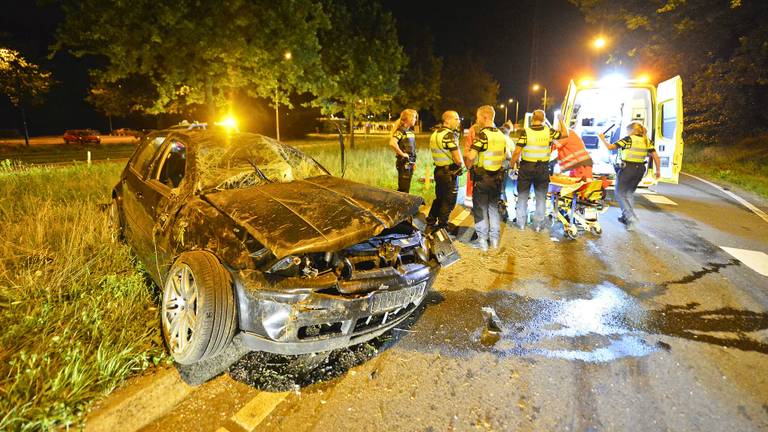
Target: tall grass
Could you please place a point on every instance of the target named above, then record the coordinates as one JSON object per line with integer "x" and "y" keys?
{"x": 372, "y": 161}
{"x": 744, "y": 164}
{"x": 77, "y": 316}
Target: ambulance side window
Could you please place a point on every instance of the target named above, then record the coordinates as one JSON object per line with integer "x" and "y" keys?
{"x": 668, "y": 119}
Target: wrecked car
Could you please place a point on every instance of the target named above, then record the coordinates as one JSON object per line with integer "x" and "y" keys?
{"x": 246, "y": 235}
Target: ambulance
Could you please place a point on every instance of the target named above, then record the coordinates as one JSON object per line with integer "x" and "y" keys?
{"x": 608, "y": 105}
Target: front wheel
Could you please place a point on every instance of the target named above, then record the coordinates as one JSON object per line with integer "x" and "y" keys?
{"x": 198, "y": 312}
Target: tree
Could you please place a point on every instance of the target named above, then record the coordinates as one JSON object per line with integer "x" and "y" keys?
{"x": 23, "y": 82}
{"x": 718, "y": 47}
{"x": 420, "y": 82}
{"x": 361, "y": 58}
{"x": 467, "y": 85}
{"x": 198, "y": 52}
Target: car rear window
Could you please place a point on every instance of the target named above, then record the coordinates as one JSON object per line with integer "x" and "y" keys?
{"x": 246, "y": 160}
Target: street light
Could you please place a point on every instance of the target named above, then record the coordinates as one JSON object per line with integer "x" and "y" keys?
{"x": 517, "y": 106}
{"x": 287, "y": 56}
{"x": 536, "y": 88}
{"x": 599, "y": 43}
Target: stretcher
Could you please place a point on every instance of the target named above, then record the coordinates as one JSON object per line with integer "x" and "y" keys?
{"x": 577, "y": 204}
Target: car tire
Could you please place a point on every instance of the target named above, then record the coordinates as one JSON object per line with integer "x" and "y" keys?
{"x": 115, "y": 222}
{"x": 198, "y": 308}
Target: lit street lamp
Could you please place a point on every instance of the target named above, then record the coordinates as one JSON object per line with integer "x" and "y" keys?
{"x": 536, "y": 88}
{"x": 287, "y": 56}
{"x": 599, "y": 43}
{"x": 517, "y": 106}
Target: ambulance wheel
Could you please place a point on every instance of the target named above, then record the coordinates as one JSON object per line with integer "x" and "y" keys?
{"x": 596, "y": 230}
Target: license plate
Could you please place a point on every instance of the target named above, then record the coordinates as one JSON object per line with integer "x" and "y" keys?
{"x": 392, "y": 300}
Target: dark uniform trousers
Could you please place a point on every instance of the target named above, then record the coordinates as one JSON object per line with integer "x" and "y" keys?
{"x": 446, "y": 192}
{"x": 630, "y": 175}
{"x": 486, "y": 192}
{"x": 536, "y": 173}
{"x": 405, "y": 173}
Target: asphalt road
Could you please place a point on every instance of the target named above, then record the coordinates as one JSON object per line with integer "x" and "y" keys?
{"x": 664, "y": 328}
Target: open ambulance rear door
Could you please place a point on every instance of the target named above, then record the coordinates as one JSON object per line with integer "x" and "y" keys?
{"x": 569, "y": 117}
{"x": 669, "y": 128}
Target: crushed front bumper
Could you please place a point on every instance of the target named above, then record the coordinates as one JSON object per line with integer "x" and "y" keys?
{"x": 305, "y": 320}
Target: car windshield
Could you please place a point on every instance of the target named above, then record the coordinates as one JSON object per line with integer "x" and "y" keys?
{"x": 245, "y": 160}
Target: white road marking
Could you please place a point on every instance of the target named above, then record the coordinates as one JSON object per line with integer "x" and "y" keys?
{"x": 659, "y": 199}
{"x": 254, "y": 412}
{"x": 756, "y": 260}
{"x": 645, "y": 191}
{"x": 739, "y": 199}
{"x": 459, "y": 218}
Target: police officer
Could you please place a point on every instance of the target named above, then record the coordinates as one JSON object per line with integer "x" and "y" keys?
{"x": 534, "y": 147}
{"x": 486, "y": 157}
{"x": 635, "y": 148}
{"x": 444, "y": 145}
{"x": 403, "y": 142}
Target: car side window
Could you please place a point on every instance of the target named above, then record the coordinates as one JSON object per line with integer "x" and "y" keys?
{"x": 174, "y": 164}
{"x": 144, "y": 156}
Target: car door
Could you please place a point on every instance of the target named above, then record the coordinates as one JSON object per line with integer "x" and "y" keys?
{"x": 669, "y": 128}
{"x": 138, "y": 172}
{"x": 163, "y": 195}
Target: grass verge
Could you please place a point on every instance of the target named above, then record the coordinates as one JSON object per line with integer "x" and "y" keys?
{"x": 744, "y": 165}
{"x": 77, "y": 315}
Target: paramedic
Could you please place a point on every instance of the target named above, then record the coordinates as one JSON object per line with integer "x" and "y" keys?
{"x": 403, "y": 142}
{"x": 572, "y": 156}
{"x": 534, "y": 147}
{"x": 635, "y": 147}
{"x": 486, "y": 157}
{"x": 444, "y": 145}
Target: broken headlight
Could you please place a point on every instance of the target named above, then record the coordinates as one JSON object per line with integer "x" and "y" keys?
{"x": 294, "y": 266}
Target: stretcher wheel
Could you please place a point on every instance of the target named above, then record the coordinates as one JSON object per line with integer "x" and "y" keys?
{"x": 571, "y": 232}
{"x": 596, "y": 230}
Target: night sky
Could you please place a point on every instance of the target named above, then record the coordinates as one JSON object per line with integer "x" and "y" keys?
{"x": 501, "y": 34}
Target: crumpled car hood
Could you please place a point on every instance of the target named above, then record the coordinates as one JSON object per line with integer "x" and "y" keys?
{"x": 319, "y": 214}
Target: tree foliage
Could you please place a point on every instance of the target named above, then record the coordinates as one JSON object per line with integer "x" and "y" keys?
{"x": 720, "y": 48}
{"x": 195, "y": 52}
{"x": 361, "y": 58}
{"x": 421, "y": 79}
{"x": 20, "y": 80}
{"x": 467, "y": 85}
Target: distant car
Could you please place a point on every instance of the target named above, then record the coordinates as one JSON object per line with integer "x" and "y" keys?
{"x": 81, "y": 136}
{"x": 249, "y": 236}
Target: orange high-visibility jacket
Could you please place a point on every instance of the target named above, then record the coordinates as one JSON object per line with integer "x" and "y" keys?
{"x": 571, "y": 152}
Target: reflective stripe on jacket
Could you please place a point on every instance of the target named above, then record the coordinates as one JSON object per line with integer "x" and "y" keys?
{"x": 573, "y": 152}
{"x": 638, "y": 151}
{"x": 537, "y": 147}
{"x": 440, "y": 154}
{"x": 492, "y": 157}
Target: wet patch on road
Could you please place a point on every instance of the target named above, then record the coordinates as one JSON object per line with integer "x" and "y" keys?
{"x": 596, "y": 324}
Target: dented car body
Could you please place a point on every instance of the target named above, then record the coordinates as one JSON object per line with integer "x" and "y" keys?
{"x": 248, "y": 235}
